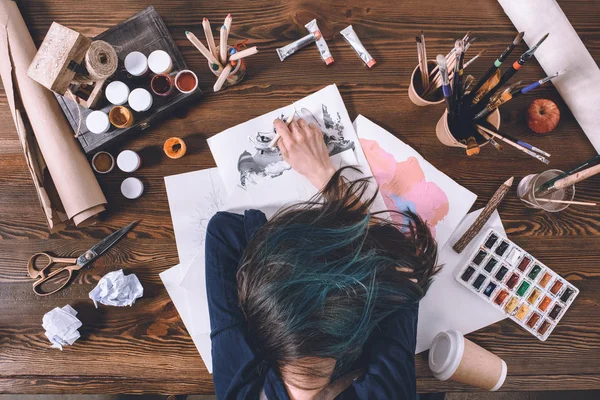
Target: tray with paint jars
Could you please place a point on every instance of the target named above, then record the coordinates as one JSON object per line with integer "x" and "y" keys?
{"x": 509, "y": 278}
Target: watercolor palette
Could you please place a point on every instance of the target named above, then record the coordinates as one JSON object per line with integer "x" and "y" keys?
{"x": 509, "y": 278}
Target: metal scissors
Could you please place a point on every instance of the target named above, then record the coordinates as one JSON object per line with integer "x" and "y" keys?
{"x": 65, "y": 273}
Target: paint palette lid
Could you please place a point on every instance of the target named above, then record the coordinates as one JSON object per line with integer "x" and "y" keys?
{"x": 140, "y": 100}
{"x": 445, "y": 354}
{"x": 132, "y": 188}
{"x": 97, "y": 122}
{"x": 160, "y": 62}
{"x": 136, "y": 63}
{"x": 117, "y": 93}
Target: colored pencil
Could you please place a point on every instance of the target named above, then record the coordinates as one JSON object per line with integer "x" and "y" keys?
{"x": 209, "y": 36}
{"x": 244, "y": 53}
{"x": 223, "y": 45}
{"x": 483, "y": 217}
{"x": 203, "y": 50}
{"x": 277, "y": 136}
{"x": 222, "y": 77}
{"x": 227, "y": 22}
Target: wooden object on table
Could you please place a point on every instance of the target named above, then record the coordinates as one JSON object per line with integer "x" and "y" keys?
{"x": 489, "y": 208}
{"x": 144, "y": 32}
{"x": 62, "y": 51}
{"x": 121, "y": 347}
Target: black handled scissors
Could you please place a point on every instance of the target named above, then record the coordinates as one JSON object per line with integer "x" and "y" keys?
{"x": 65, "y": 273}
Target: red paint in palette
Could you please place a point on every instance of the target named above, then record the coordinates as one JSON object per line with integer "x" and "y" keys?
{"x": 524, "y": 264}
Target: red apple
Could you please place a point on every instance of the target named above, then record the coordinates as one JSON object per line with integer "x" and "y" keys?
{"x": 543, "y": 116}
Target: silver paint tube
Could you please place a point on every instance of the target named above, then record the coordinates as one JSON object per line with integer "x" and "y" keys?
{"x": 287, "y": 50}
{"x": 353, "y": 40}
{"x": 321, "y": 43}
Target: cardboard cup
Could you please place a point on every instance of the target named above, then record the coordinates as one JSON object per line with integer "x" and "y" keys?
{"x": 442, "y": 130}
{"x": 453, "y": 357}
{"x": 415, "y": 89}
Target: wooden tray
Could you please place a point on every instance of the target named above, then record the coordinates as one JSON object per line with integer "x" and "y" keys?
{"x": 144, "y": 32}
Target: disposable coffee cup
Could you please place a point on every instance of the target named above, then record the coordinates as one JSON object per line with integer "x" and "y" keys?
{"x": 453, "y": 357}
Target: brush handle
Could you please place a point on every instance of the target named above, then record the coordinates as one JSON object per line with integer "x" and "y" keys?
{"x": 567, "y": 173}
{"x": 577, "y": 177}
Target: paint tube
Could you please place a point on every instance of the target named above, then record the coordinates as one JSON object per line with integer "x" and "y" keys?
{"x": 353, "y": 40}
{"x": 286, "y": 51}
{"x": 321, "y": 43}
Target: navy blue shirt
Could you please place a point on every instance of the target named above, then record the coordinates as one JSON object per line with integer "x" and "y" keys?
{"x": 238, "y": 373}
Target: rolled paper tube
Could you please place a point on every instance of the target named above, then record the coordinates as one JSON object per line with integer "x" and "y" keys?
{"x": 79, "y": 194}
{"x": 490, "y": 207}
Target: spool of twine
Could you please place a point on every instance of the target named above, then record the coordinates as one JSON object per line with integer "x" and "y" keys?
{"x": 101, "y": 61}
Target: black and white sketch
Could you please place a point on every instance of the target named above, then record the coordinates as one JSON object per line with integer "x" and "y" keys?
{"x": 262, "y": 162}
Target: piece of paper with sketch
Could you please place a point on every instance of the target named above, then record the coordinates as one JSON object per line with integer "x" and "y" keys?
{"x": 194, "y": 197}
{"x": 408, "y": 182}
{"x": 256, "y": 176}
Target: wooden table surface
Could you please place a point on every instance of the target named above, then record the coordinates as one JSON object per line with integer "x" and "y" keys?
{"x": 146, "y": 348}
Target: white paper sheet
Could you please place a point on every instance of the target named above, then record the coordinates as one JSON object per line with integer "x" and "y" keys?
{"x": 408, "y": 181}
{"x": 580, "y": 85}
{"x": 171, "y": 278}
{"x": 256, "y": 176}
{"x": 448, "y": 304}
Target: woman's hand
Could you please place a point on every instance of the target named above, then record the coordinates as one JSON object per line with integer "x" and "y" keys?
{"x": 302, "y": 147}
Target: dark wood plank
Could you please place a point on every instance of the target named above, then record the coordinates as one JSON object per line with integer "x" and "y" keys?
{"x": 145, "y": 348}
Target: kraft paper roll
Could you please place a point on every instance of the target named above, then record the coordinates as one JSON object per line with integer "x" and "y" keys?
{"x": 45, "y": 135}
{"x": 580, "y": 85}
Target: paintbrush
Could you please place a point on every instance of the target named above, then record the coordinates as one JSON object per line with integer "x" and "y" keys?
{"x": 575, "y": 203}
{"x": 514, "y": 144}
{"x": 445, "y": 82}
{"x": 422, "y": 63}
{"x": 425, "y": 70}
{"x": 483, "y": 217}
{"x": 490, "y": 139}
{"x": 592, "y": 161}
{"x": 515, "y": 67}
{"x": 512, "y": 92}
{"x": 517, "y": 141}
{"x": 456, "y": 80}
{"x": 571, "y": 180}
{"x": 494, "y": 67}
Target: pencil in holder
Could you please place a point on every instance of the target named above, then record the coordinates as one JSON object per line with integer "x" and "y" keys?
{"x": 444, "y": 134}
{"x": 416, "y": 89}
{"x": 237, "y": 73}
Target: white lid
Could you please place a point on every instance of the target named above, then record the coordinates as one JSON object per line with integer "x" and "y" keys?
{"x": 97, "y": 122}
{"x": 136, "y": 63}
{"x": 132, "y": 188}
{"x": 140, "y": 100}
{"x": 128, "y": 161}
{"x": 117, "y": 93}
{"x": 445, "y": 354}
{"x": 160, "y": 62}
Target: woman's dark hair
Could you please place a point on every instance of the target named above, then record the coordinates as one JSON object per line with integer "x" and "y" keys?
{"x": 317, "y": 278}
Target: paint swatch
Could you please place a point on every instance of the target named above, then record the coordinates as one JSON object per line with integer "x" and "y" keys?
{"x": 506, "y": 276}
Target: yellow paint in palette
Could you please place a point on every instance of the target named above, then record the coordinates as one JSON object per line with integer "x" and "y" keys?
{"x": 520, "y": 315}
{"x": 534, "y": 296}
{"x": 511, "y": 305}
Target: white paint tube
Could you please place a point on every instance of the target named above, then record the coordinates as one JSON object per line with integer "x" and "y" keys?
{"x": 353, "y": 40}
{"x": 287, "y": 50}
{"x": 321, "y": 43}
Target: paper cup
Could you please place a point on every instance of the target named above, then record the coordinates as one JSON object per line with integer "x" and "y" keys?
{"x": 452, "y": 357}
{"x": 415, "y": 89}
{"x": 442, "y": 130}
